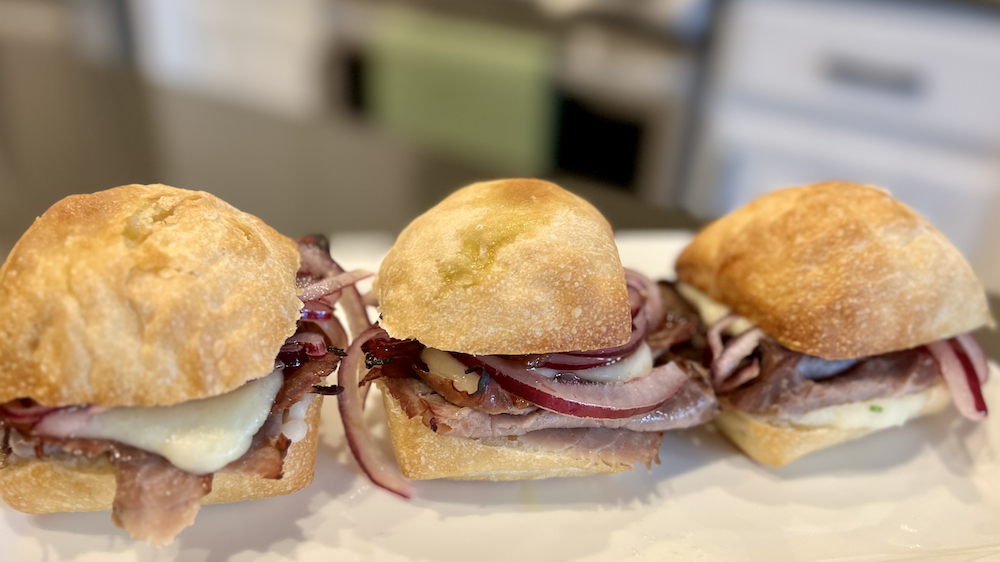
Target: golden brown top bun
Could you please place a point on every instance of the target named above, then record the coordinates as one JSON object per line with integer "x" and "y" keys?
{"x": 506, "y": 267}
{"x": 143, "y": 295}
{"x": 837, "y": 270}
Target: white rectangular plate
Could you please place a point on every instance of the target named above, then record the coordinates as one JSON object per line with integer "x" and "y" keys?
{"x": 927, "y": 491}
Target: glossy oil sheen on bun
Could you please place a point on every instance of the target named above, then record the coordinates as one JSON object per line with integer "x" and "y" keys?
{"x": 837, "y": 270}
{"x": 506, "y": 267}
{"x": 143, "y": 295}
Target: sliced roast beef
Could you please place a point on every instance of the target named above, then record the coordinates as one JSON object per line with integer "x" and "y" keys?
{"x": 154, "y": 499}
{"x": 693, "y": 405}
{"x": 783, "y": 391}
{"x": 681, "y": 334}
{"x": 266, "y": 456}
{"x": 300, "y": 380}
{"x": 617, "y": 448}
{"x": 611, "y": 446}
{"x": 489, "y": 398}
{"x": 680, "y": 322}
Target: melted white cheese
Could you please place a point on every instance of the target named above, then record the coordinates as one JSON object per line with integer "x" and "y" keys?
{"x": 442, "y": 363}
{"x": 639, "y": 364}
{"x": 877, "y": 413}
{"x": 199, "y": 436}
{"x": 711, "y": 311}
{"x": 294, "y": 425}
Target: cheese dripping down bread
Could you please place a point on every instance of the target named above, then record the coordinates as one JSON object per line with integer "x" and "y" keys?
{"x": 156, "y": 354}
{"x": 512, "y": 344}
{"x": 848, "y": 313}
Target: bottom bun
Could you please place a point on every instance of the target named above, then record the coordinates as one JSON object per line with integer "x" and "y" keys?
{"x": 54, "y": 485}
{"x": 777, "y": 443}
{"x": 425, "y": 455}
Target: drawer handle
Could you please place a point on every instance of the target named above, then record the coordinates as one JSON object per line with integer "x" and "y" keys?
{"x": 877, "y": 77}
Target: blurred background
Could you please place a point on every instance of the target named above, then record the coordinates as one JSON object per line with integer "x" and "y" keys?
{"x": 357, "y": 115}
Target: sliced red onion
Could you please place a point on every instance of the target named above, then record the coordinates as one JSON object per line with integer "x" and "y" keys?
{"x": 742, "y": 376}
{"x": 714, "y": 334}
{"x": 64, "y": 423}
{"x": 582, "y": 399}
{"x": 571, "y": 362}
{"x": 357, "y": 318}
{"x": 333, "y": 284}
{"x": 652, "y": 305}
{"x": 334, "y": 332}
{"x": 737, "y": 349}
{"x": 368, "y": 454}
{"x": 322, "y": 316}
{"x": 354, "y": 307}
{"x": 597, "y": 357}
{"x": 316, "y": 261}
{"x": 316, "y": 310}
{"x": 976, "y": 355}
{"x": 20, "y": 413}
{"x": 639, "y": 327}
{"x": 635, "y": 300}
{"x": 579, "y": 360}
{"x": 332, "y": 299}
{"x": 961, "y": 378}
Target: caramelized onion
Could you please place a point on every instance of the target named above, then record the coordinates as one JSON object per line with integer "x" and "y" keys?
{"x": 351, "y": 403}
{"x": 313, "y": 343}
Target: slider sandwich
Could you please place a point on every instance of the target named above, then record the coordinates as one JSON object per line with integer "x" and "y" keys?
{"x": 513, "y": 345}
{"x": 160, "y": 350}
{"x": 834, "y": 311}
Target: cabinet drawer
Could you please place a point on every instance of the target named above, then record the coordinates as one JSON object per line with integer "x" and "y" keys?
{"x": 911, "y": 67}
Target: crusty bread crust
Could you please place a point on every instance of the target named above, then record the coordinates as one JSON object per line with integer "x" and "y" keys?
{"x": 143, "y": 295}
{"x": 777, "y": 444}
{"x": 837, "y": 270}
{"x": 74, "y": 484}
{"x": 506, "y": 267}
{"x": 425, "y": 455}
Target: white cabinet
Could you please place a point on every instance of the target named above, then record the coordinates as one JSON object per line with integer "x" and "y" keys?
{"x": 901, "y": 94}
{"x": 265, "y": 54}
